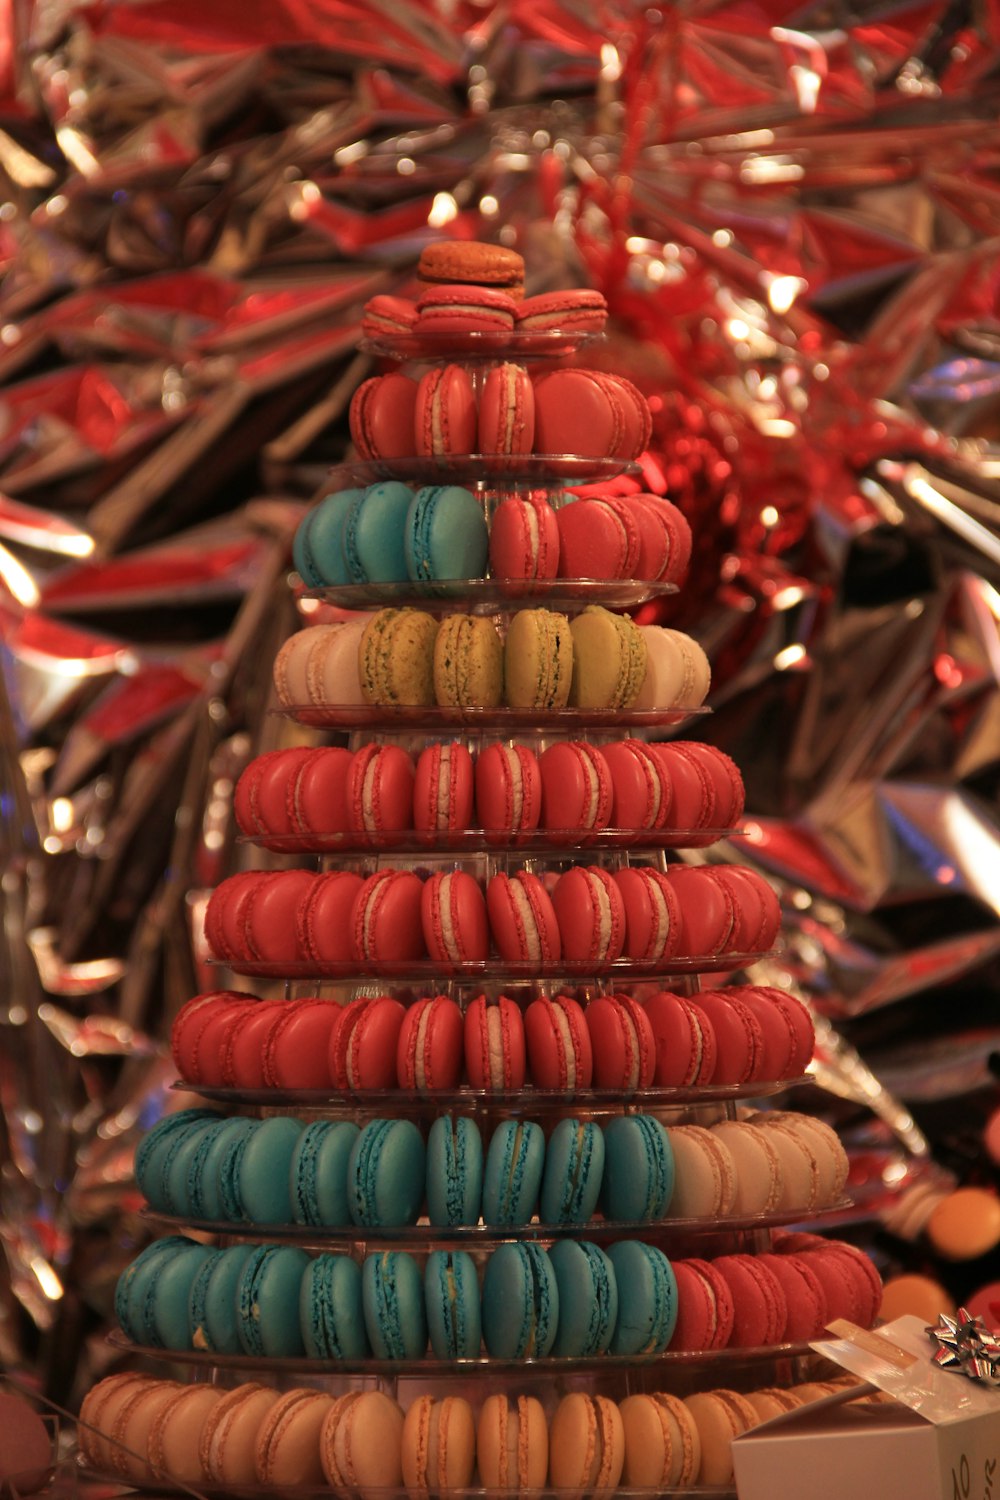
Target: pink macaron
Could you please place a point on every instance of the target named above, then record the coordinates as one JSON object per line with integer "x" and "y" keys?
{"x": 580, "y": 412}
{"x": 260, "y": 800}
{"x": 524, "y": 538}
{"x": 560, "y": 1054}
{"x": 705, "y": 1309}
{"x": 684, "y": 1041}
{"x": 805, "y": 1300}
{"x": 494, "y": 1045}
{"x": 506, "y": 411}
{"x": 191, "y": 1020}
{"x": 522, "y": 919}
{"x": 725, "y": 780}
{"x": 431, "y": 1045}
{"x": 388, "y": 316}
{"x": 598, "y": 538}
{"x": 385, "y": 918}
{"x": 708, "y": 911}
{"x": 739, "y": 1038}
{"x": 268, "y": 916}
{"x": 573, "y": 310}
{"x": 637, "y": 420}
{"x": 323, "y": 920}
{"x": 443, "y": 789}
{"x": 297, "y": 1049}
{"x": 652, "y": 913}
{"x": 691, "y": 803}
{"x": 363, "y": 1044}
{"x": 244, "y": 1047}
{"x": 382, "y": 415}
{"x": 576, "y": 787}
{"x": 677, "y": 534}
{"x": 316, "y": 791}
{"x": 801, "y": 1023}
{"x": 464, "y": 309}
{"x": 622, "y": 1041}
{"x": 591, "y": 915}
{"x": 380, "y": 790}
{"x": 453, "y": 914}
{"x": 757, "y": 908}
{"x": 508, "y": 789}
{"x": 641, "y": 790}
{"x": 781, "y": 1040}
{"x": 444, "y": 414}
{"x": 761, "y": 1313}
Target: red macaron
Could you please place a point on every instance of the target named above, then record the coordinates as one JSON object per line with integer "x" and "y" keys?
{"x": 316, "y": 791}
{"x": 761, "y": 1313}
{"x": 260, "y": 801}
{"x": 385, "y": 918}
{"x": 297, "y": 1048}
{"x": 805, "y": 1299}
{"x": 739, "y": 1038}
{"x": 692, "y": 800}
{"x": 524, "y": 538}
{"x": 576, "y": 787}
{"x": 494, "y": 1045}
{"x": 382, "y": 416}
{"x": 522, "y": 919}
{"x": 708, "y": 911}
{"x": 622, "y": 1042}
{"x": 684, "y": 1041}
{"x": 363, "y": 1044}
{"x": 591, "y": 915}
{"x": 443, "y": 789}
{"x": 431, "y": 1045}
{"x": 652, "y": 913}
{"x": 642, "y": 794}
{"x": 453, "y": 914}
{"x": 380, "y": 790}
{"x": 244, "y": 1047}
{"x": 570, "y": 310}
{"x": 560, "y": 1054}
{"x": 508, "y": 789}
{"x": 705, "y": 1310}
{"x": 598, "y": 538}
{"x": 444, "y": 415}
{"x": 506, "y": 411}
{"x": 580, "y": 412}
{"x": 461, "y": 308}
{"x": 323, "y": 929}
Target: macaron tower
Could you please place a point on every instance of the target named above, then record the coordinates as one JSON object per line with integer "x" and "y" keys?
{"x": 491, "y": 1178}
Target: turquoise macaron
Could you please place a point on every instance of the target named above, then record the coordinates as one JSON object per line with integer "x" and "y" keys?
{"x": 588, "y": 1299}
{"x": 454, "y": 1171}
{"x": 215, "y": 1149}
{"x": 446, "y": 535}
{"x": 647, "y": 1298}
{"x": 267, "y": 1297}
{"x": 373, "y": 534}
{"x": 318, "y": 544}
{"x": 229, "y": 1173}
{"x": 520, "y": 1302}
{"x": 134, "y": 1282}
{"x": 574, "y": 1168}
{"x": 392, "y": 1298}
{"x": 330, "y": 1311}
{"x": 156, "y": 1145}
{"x": 638, "y": 1179}
{"x": 213, "y": 1308}
{"x": 451, "y": 1295}
{"x": 513, "y": 1174}
{"x": 319, "y": 1173}
{"x": 178, "y": 1162}
{"x": 168, "y": 1295}
{"x": 263, "y": 1171}
{"x": 385, "y": 1174}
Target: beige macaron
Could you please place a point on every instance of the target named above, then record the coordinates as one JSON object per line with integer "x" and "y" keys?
{"x": 175, "y": 1434}
{"x": 438, "y": 1446}
{"x": 662, "y": 1446}
{"x": 287, "y": 1450}
{"x": 360, "y": 1445}
{"x": 719, "y": 1416}
{"x": 704, "y": 1173}
{"x": 98, "y": 1412}
{"x": 132, "y": 1426}
{"x": 512, "y": 1443}
{"x": 586, "y": 1446}
{"x": 758, "y": 1169}
{"x": 229, "y": 1436}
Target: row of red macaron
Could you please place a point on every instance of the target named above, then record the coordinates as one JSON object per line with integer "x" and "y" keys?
{"x": 461, "y": 308}
{"x": 583, "y": 413}
{"x": 571, "y": 787}
{"x": 586, "y": 915}
{"x": 732, "y": 1036}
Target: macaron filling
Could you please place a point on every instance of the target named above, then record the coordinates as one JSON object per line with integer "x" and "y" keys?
{"x": 524, "y": 918}
{"x": 565, "y": 1044}
{"x": 515, "y": 784}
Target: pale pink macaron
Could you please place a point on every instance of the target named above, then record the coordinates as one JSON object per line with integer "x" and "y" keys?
{"x": 757, "y": 1164}
{"x": 175, "y": 1433}
{"x": 678, "y": 674}
{"x": 704, "y": 1174}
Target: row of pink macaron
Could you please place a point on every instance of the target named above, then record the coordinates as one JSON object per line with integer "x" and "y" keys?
{"x": 461, "y": 308}
{"x": 737, "y": 1035}
{"x": 583, "y": 413}
{"x": 572, "y": 787}
{"x": 259, "y": 1439}
{"x": 586, "y": 915}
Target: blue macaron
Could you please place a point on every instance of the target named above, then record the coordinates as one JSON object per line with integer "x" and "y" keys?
{"x": 168, "y": 1296}
{"x": 229, "y": 1173}
{"x": 647, "y": 1298}
{"x": 319, "y": 1173}
{"x": 520, "y": 1302}
{"x": 155, "y": 1146}
{"x": 263, "y": 1172}
{"x": 446, "y": 534}
{"x": 213, "y": 1307}
{"x": 330, "y": 1310}
{"x": 385, "y": 1174}
{"x": 588, "y": 1299}
{"x": 214, "y": 1148}
{"x": 454, "y": 1171}
{"x": 638, "y": 1170}
{"x": 134, "y": 1282}
{"x": 318, "y": 545}
{"x": 373, "y": 534}
{"x": 392, "y": 1297}
{"x": 574, "y": 1167}
{"x": 267, "y": 1296}
{"x": 513, "y": 1175}
{"x": 451, "y": 1296}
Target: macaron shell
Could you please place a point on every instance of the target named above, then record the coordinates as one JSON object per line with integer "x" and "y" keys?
{"x": 572, "y": 1173}
{"x": 591, "y": 916}
{"x": 705, "y": 1309}
{"x": 373, "y": 533}
{"x": 707, "y": 911}
{"x": 385, "y": 918}
{"x": 264, "y": 1177}
{"x": 380, "y": 789}
{"x": 641, "y": 792}
{"x": 297, "y": 1047}
{"x": 385, "y": 1174}
{"x": 323, "y": 927}
{"x": 596, "y": 540}
{"x": 739, "y": 1039}
{"x": 805, "y": 1300}
{"x": 451, "y": 1290}
{"x": 652, "y": 913}
{"x": 364, "y": 1045}
{"x": 506, "y": 411}
{"x": 720, "y": 1416}
{"x": 705, "y": 1174}
{"x": 577, "y": 411}
{"x": 512, "y": 1175}
{"x": 268, "y": 1299}
{"x": 468, "y": 663}
{"x": 761, "y": 1311}
{"x": 512, "y": 1443}
{"x": 522, "y": 919}
{"x": 316, "y": 791}
{"x": 609, "y": 660}
{"x": 287, "y": 1454}
{"x": 330, "y": 1309}
{"x": 228, "y": 1440}
{"x": 758, "y": 1167}
{"x": 438, "y": 1446}
{"x": 382, "y": 417}
{"x": 586, "y": 1445}
{"x": 662, "y": 1446}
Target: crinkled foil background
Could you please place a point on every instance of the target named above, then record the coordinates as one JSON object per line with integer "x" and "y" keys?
{"x": 794, "y": 213}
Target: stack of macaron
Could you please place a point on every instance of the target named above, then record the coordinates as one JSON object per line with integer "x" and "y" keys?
{"x": 727, "y": 1038}
{"x": 139, "y": 1429}
{"x": 387, "y": 533}
{"x": 578, "y": 413}
{"x": 205, "y": 1167}
{"x": 585, "y": 916}
{"x": 405, "y": 658}
{"x": 517, "y": 1300}
{"x": 570, "y": 790}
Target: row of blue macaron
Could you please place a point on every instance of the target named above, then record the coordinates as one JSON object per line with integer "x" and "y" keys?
{"x": 388, "y": 533}
{"x": 573, "y": 1300}
{"x": 206, "y": 1168}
